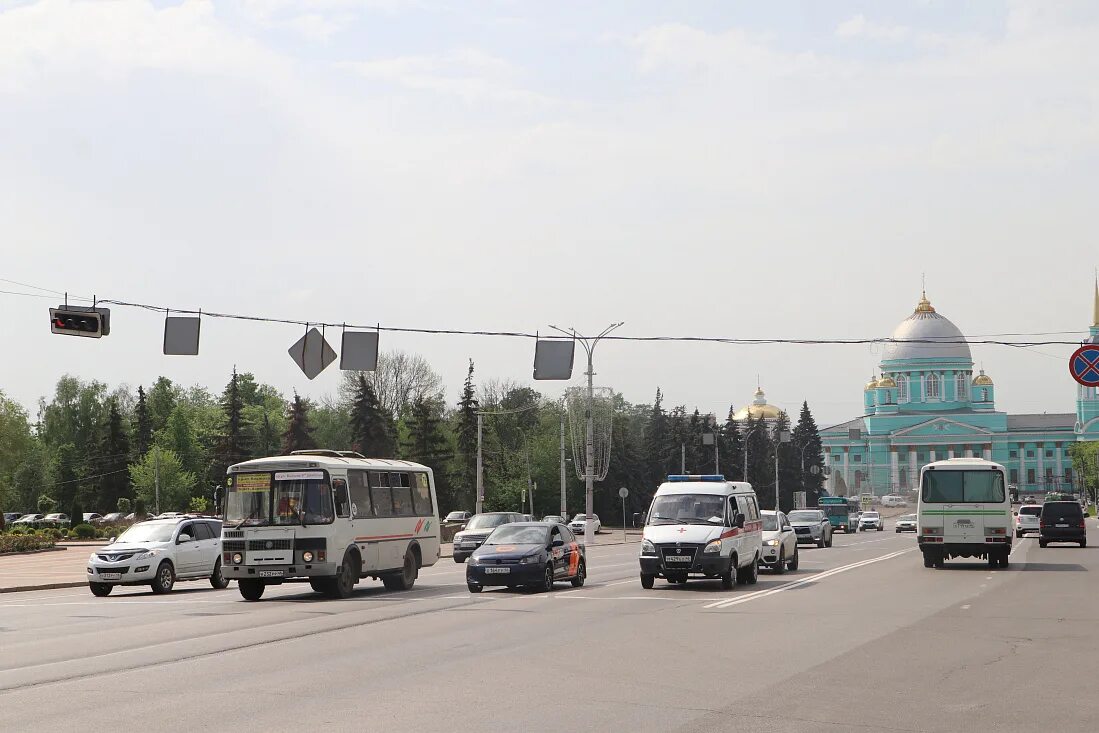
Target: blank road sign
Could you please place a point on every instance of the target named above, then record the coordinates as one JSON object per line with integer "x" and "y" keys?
{"x": 181, "y": 336}
{"x": 553, "y": 359}
{"x": 312, "y": 353}
{"x": 359, "y": 351}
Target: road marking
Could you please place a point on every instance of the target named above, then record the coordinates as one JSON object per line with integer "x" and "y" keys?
{"x": 803, "y": 581}
{"x": 621, "y": 598}
{"x": 1018, "y": 545}
{"x": 965, "y": 607}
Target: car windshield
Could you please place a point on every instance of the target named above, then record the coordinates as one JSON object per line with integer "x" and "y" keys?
{"x": 1033, "y": 511}
{"x": 1062, "y": 509}
{"x": 514, "y": 534}
{"x": 686, "y": 508}
{"x": 908, "y": 518}
{"x": 770, "y": 523}
{"x": 870, "y": 515}
{"x": 487, "y": 521}
{"x": 963, "y": 487}
{"x": 580, "y": 517}
{"x": 805, "y": 516}
{"x": 148, "y": 532}
{"x": 554, "y": 518}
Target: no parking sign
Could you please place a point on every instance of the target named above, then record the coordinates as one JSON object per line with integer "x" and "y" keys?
{"x": 1084, "y": 365}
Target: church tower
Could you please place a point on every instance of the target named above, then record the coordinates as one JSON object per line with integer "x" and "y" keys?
{"x": 1087, "y": 398}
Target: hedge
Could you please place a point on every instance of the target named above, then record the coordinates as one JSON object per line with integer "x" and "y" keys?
{"x": 23, "y": 543}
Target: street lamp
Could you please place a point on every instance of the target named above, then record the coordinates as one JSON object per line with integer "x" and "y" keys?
{"x": 744, "y": 440}
{"x": 782, "y": 436}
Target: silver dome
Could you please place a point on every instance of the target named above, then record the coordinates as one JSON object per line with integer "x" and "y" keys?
{"x": 925, "y": 325}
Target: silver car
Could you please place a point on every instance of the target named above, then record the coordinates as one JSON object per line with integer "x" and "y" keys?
{"x": 780, "y": 543}
{"x": 1028, "y": 519}
{"x": 811, "y": 525}
{"x": 906, "y": 523}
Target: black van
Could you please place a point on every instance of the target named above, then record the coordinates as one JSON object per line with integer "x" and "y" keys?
{"x": 1062, "y": 521}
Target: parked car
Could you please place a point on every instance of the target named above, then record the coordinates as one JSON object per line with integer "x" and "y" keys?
{"x": 894, "y": 500}
{"x": 811, "y": 525}
{"x": 157, "y": 553}
{"x": 10, "y": 517}
{"x": 871, "y": 521}
{"x": 29, "y": 520}
{"x": 533, "y": 554}
{"x": 457, "y": 517}
{"x": 577, "y": 524}
{"x": 478, "y": 528}
{"x": 780, "y": 543}
{"x": 1062, "y": 521}
{"x": 92, "y": 517}
{"x": 907, "y": 523}
{"x": 1027, "y": 519}
{"x": 555, "y": 519}
{"x": 110, "y": 518}
{"x": 57, "y": 519}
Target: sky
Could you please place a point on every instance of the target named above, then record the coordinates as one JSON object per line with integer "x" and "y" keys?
{"x": 737, "y": 170}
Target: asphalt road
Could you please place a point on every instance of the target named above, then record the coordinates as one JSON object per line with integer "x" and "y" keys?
{"x": 862, "y": 637}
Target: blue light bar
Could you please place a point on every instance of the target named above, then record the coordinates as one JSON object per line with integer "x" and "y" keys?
{"x": 696, "y": 477}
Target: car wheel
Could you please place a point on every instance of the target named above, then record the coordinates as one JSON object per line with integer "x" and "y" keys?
{"x": 458, "y": 559}
{"x": 1042, "y": 543}
{"x": 251, "y": 589}
{"x": 647, "y": 581}
{"x": 581, "y": 573}
{"x": 820, "y": 542}
{"x": 346, "y": 577}
{"x": 728, "y": 579}
{"x": 780, "y": 567}
{"x": 405, "y": 579}
{"x": 829, "y": 542}
{"x": 928, "y": 561}
{"x": 217, "y": 578}
{"x": 547, "y": 580}
{"x": 164, "y": 579}
{"x": 1018, "y": 533}
{"x": 753, "y": 573}
{"x": 793, "y": 564}
{"x": 101, "y": 590}
{"x": 473, "y": 587}
{"x": 1083, "y": 543}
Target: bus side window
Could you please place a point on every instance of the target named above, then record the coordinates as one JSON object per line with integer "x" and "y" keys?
{"x": 360, "y": 495}
{"x": 340, "y": 488}
{"x": 380, "y": 494}
{"x": 402, "y": 495}
{"x": 421, "y": 494}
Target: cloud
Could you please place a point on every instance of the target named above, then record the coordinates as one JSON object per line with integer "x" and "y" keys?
{"x": 859, "y": 27}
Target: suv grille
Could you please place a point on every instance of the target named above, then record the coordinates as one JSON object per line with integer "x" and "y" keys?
{"x": 116, "y": 557}
{"x": 257, "y": 545}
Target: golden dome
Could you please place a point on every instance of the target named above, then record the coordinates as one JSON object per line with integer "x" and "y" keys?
{"x": 924, "y": 306}
{"x": 886, "y": 382}
{"x": 759, "y": 409}
{"x": 872, "y": 384}
{"x": 982, "y": 380}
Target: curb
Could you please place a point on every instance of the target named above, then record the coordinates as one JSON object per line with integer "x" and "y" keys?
{"x": 46, "y": 586}
{"x": 32, "y": 552}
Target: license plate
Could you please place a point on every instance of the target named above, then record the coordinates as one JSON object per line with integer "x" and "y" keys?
{"x": 110, "y": 576}
{"x": 497, "y": 571}
{"x": 677, "y": 558}
{"x": 468, "y": 545}
{"x": 1061, "y": 525}
{"x": 271, "y": 573}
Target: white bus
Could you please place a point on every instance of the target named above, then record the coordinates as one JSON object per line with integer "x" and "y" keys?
{"x": 964, "y": 511}
{"x": 329, "y": 517}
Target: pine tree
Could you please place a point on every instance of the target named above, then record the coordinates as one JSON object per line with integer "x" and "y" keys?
{"x": 299, "y": 434}
{"x": 67, "y": 477}
{"x": 116, "y": 457}
{"x": 372, "y": 430}
{"x": 233, "y": 445}
{"x": 677, "y": 439}
{"x": 697, "y": 458}
{"x": 788, "y": 474}
{"x": 656, "y": 441}
{"x": 143, "y": 424}
{"x": 732, "y": 449}
{"x": 806, "y": 440}
{"x": 467, "y": 441}
{"x": 427, "y": 444}
{"x": 760, "y": 465}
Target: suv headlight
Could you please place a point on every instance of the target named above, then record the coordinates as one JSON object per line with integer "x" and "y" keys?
{"x": 149, "y": 554}
{"x": 772, "y": 543}
{"x": 647, "y": 548}
{"x": 712, "y": 547}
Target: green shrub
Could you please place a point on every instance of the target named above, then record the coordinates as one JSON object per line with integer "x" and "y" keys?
{"x": 139, "y": 509}
{"x": 198, "y": 505}
{"x": 84, "y": 531}
{"x": 124, "y": 506}
{"x": 23, "y": 543}
{"x": 51, "y": 533}
{"x": 46, "y": 505}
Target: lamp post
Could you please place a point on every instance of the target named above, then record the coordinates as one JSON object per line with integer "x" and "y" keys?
{"x": 589, "y": 345}
{"x": 744, "y": 474}
{"x": 783, "y": 436}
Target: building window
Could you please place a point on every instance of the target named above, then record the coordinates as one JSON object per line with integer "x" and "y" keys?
{"x": 1014, "y": 476}
{"x": 984, "y": 394}
{"x": 1049, "y": 454}
{"x": 903, "y": 477}
{"x": 1013, "y": 454}
{"x": 1030, "y": 454}
{"x": 902, "y": 388}
{"x": 857, "y": 458}
{"x": 1068, "y": 475}
{"x": 960, "y": 381}
{"x": 932, "y": 386}
{"x": 1030, "y": 475}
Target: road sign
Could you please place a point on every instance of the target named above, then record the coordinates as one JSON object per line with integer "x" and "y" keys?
{"x": 623, "y": 493}
{"x": 1083, "y": 365}
{"x": 312, "y": 353}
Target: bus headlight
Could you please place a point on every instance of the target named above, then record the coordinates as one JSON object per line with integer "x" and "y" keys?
{"x": 647, "y": 548}
{"x": 307, "y": 556}
{"x": 713, "y": 547}
{"x": 238, "y": 558}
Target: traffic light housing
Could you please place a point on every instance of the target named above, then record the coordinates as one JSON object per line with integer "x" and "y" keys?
{"x": 80, "y": 321}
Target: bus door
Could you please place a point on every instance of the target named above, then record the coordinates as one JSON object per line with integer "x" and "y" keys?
{"x": 363, "y": 523}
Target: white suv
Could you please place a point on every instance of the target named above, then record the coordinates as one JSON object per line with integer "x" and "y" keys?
{"x": 159, "y": 552}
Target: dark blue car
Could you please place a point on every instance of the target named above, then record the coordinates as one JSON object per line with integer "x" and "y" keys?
{"x": 535, "y": 554}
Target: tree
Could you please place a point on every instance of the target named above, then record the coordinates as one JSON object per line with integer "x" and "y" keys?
{"x": 299, "y": 433}
{"x": 143, "y": 424}
{"x": 1085, "y": 464}
{"x": 65, "y": 471}
{"x": 15, "y": 442}
{"x": 466, "y": 430}
{"x": 31, "y": 476}
{"x": 233, "y": 443}
{"x": 162, "y": 399}
{"x": 732, "y": 449}
{"x": 399, "y": 380}
{"x": 372, "y": 430}
{"x": 178, "y": 436}
{"x": 427, "y": 444}
{"x": 76, "y": 513}
{"x": 124, "y": 505}
{"x": 760, "y": 466}
{"x": 806, "y": 440}
{"x": 46, "y": 504}
{"x": 115, "y": 483}
{"x": 176, "y": 483}
{"x": 657, "y": 441}
{"x": 789, "y": 474}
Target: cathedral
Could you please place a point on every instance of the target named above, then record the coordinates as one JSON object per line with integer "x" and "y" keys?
{"x": 928, "y": 405}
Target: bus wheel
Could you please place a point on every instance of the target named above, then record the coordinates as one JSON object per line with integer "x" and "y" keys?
{"x": 405, "y": 579}
{"x": 647, "y": 581}
{"x": 343, "y": 585}
{"x": 928, "y": 561}
{"x": 728, "y": 579}
{"x": 250, "y": 589}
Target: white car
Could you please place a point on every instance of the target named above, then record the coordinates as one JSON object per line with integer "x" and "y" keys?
{"x": 1027, "y": 519}
{"x": 871, "y": 520}
{"x": 780, "y": 543}
{"x": 577, "y": 524}
{"x": 159, "y": 552}
{"x": 907, "y": 523}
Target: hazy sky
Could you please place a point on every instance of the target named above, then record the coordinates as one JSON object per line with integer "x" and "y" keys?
{"x": 763, "y": 169}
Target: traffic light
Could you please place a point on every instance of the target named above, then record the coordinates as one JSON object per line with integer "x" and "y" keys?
{"x": 80, "y": 321}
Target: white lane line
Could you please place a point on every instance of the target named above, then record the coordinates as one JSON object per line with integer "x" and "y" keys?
{"x": 622, "y": 598}
{"x": 965, "y": 607}
{"x": 803, "y": 581}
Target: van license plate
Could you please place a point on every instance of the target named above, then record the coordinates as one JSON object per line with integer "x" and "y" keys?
{"x": 271, "y": 573}
{"x": 1061, "y": 525}
{"x": 494, "y": 571}
{"x": 110, "y": 576}
{"x": 678, "y": 558}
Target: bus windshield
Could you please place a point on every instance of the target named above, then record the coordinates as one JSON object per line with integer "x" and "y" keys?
{"x": 963, "y": 487}
{"x": 248, "y": 499}
{"x": 835, "y": 510}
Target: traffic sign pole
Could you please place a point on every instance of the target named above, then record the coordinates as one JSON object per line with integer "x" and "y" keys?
{"x": 623, "y": 493}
